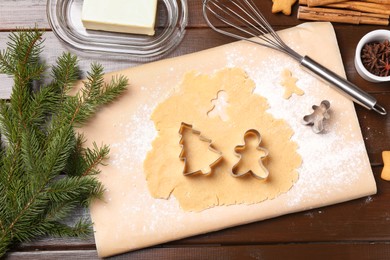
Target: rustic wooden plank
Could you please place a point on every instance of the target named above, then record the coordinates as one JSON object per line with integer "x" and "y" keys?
{"x": 197, "y": 20}
{"x": 49, "y": 255}
{"x": 321, "y": 251}
{"x": 375, "y": 129}
{"x": 28, "y": 13}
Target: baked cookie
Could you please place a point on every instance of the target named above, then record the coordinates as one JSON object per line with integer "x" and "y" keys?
{"x": 283, "y": 6}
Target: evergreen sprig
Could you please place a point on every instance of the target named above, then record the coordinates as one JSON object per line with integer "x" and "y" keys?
{"x": 45, "y": 170}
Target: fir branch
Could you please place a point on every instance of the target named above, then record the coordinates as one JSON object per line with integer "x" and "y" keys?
{"x": 94, "y": 94}
{"x": 81, "y": 229}
{"x": 45, "y": 171}
{"x": 65, "y": 72}
{"x": 93, "y": 158}
{"x": 6, "y": 66}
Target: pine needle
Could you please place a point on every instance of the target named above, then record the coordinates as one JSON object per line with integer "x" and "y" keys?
{"x": 45, "y": 171}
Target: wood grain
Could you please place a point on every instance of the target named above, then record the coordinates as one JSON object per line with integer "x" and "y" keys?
{"x": 22, "y": 14}
{"x": 321, "y": 251}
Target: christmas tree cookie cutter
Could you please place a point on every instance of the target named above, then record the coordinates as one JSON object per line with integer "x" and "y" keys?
{"x": 316, "y": 119}
{"x": 183, "y": 154}
{"x": 254, "y": 166}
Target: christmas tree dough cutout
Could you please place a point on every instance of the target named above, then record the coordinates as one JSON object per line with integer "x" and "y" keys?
{"x": 197, "y": 152}
{"x": 289, "y": 83}
{"x": 250, "y": 157}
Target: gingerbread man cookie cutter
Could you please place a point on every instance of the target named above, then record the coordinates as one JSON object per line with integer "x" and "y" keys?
{"x": 316, "y": 119}
{"x": 183, "y": 153}
{"x": 256, "y": 168}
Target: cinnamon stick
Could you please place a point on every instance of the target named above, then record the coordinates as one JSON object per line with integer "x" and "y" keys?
{"x": 363, "y": 7}
{"x": 385, "y": 2}
{"x": 322, "y": 2}
{"x": 341, "y": 16}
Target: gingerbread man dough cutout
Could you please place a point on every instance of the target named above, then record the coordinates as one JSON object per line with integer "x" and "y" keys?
{"x": 288, "y": 83}
{"x": 250, "y": 157}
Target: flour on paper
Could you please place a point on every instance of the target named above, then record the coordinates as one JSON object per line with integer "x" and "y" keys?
{"x": 191, "y": 104}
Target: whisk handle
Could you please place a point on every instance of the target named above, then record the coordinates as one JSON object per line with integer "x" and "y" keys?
{"x": 346, "y": 87}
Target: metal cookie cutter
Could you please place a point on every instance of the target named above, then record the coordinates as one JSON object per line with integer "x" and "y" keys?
{"x": 255, "y": 168}
{"x": 183, "y": 154}
{"x": 316, "y": 119}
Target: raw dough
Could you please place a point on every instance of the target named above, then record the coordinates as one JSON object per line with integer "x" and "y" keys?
{"x": 288, "y": 82}
{"x": 191, "y": 103}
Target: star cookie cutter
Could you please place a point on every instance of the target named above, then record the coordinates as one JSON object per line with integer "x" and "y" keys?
{"x": 257, "y": 170}
{"x": 316, "y": 119}
{"x": 183, "y": 153}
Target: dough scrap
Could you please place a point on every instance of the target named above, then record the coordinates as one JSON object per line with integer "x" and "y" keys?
{"x": 385, "y": 175}
{"x": 190, "y": 104}
{"x": 288, "y": 82}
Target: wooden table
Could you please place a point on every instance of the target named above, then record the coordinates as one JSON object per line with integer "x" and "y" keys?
{"x": 359, "y": 229}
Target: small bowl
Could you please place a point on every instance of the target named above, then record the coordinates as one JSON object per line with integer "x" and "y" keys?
{"x": 374, "y": 36}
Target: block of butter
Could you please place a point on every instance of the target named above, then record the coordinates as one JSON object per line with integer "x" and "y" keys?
{"x": 125, "y": 16}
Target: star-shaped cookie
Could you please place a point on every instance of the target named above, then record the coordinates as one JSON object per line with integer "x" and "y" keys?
{"x": 283, "y": 6}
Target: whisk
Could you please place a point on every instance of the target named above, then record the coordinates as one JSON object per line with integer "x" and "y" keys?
{"x": 245, "y": 22}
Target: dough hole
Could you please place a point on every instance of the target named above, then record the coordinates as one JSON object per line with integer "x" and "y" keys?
{"x": 220, "y": 103}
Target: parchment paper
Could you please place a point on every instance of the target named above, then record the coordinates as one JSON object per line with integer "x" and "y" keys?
{"x": 335, "y": 165}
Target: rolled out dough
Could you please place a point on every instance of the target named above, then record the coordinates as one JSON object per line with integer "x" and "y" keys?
{"x": 190, "y": 104}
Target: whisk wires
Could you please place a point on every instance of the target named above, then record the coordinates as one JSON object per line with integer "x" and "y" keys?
{"x": 248, "y": 22}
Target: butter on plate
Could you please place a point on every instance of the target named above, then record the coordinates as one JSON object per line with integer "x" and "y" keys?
{"x": 125, "y": 16}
